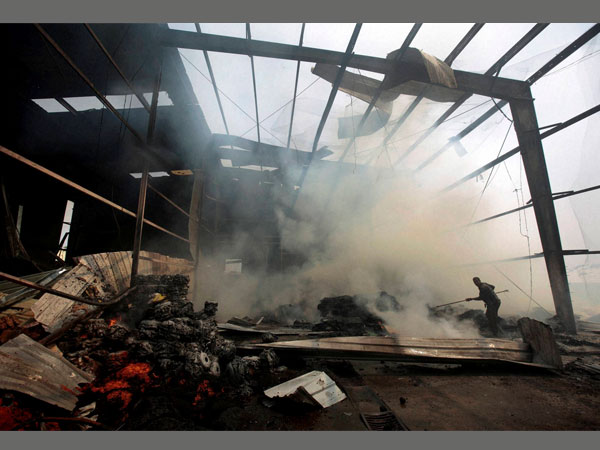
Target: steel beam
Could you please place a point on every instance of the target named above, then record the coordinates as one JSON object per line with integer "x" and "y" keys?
{"x": 494, "y": 69}
{"x": 409, "y": 38}
{"x": 534, "y": 163}
{"x": 467, "y": 82}
{"x": 99, "y": 95}
{"x": 516, "y": 150}
{"x": 295, "y": 88}
{"x": 80, "y": 188}
{"x": 529, "y": 205}
{"x": 449, "y": 60}
{"x": 117, "y": 68}
{"x": 214, "y": 82}
{"x": 574, "y": 46}
{"x": 139, "y": 222}
{"x": 332, "y": 95}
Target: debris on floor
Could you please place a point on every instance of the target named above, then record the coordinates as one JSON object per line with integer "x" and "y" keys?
{"x": 314, "y": 388}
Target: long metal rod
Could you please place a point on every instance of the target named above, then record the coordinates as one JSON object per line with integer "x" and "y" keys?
{"x": 584, "y": 252}
{"x": 117, "y": 68}
{"x": 336, "y": 85}
{"x": 516, "y": 150}
{"x": 463, "y": 43}
{"x": 249, "y": 37}
{"x": 555, "y": 197}
{"x": 495, "y": 68}
{"x": 295, "y": 88}
{"x": 449, "y": 60}
{"x": 29, "y": 284}
{"x": 214, "y": 82}
{"x": 572, "y": 48}
{"x": 74, "y": 185}
{"x": 168, "y": 200}
{"x": 87, "y": 81}
{"x": 139, "y": 221}
{"x": 332, "y": 94}
{"x": 407, "y": 41}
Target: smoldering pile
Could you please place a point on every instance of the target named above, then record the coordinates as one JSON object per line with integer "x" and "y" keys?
{"x": 345, "y": 315}
{"x": 154, "y": 342}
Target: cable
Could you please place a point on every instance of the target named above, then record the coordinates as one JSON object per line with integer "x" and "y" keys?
{"x": 491, "y": 172}
{"x": 228, "y": 98}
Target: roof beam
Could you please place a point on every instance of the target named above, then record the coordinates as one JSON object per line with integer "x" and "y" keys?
{"x": 409, "y": 38}
{"x": 516, "y": 150}
{"x": 494, "y": 69}
{"x": 449, "y": 60}
{"x": 99, "y": 95}
{"x": 117, "y": 68}
{"x": 295, "y": 88}
{"x": 332, "y": 95}
{"x": 214, "y": 82}
{"x": 574, "y": 46}
{"x": 249, "y": 37}
{"x": 557, "y": 196}
{"x": 468, "y": 82}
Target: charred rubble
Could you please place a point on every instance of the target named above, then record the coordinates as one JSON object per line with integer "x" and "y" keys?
{"x": 154, "y": 349}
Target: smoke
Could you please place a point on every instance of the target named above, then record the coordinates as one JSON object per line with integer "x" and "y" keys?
{"x": 361, "y": 230}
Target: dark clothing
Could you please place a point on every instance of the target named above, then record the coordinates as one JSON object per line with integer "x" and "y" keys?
{"x": 487, "y": 294}
{"x": 492, "y": 303}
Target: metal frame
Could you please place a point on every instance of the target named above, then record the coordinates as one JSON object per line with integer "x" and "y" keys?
{"x": 517, "y": 93}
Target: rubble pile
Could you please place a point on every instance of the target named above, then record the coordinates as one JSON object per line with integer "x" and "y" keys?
{"x": 349, "y": 315}
{"x": 155, "y": 342}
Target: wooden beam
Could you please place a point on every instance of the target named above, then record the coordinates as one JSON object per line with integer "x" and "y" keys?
{"x": 534, "y": 163}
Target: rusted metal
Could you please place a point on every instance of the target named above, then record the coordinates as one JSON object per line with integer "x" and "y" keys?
{"x": 449, "y": 60}
{"x": 117, "y": 68}
{"x": 534, "y": 164}
{"x": 84, "y": 190}
{"x": 168, "y": 200}
{"x": 27, "y": 366}
{"x": 75, "y": 298}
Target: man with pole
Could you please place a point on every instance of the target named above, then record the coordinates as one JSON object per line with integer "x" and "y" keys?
{"x": 492, "y": 303}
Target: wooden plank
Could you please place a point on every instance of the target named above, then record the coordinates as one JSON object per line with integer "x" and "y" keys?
{"x": 103, "y": 263}
{"x": 114, "y": 267}
{"x": 51, "y": 310}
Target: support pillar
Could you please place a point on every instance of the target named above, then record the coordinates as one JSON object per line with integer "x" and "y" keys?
{"x": 534, "y": 163}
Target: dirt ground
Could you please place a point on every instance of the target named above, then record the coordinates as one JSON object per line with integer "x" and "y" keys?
{"x": 436, "y": 397}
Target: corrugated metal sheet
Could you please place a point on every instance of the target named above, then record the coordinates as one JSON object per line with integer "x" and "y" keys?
{"x": 411, "y": 349}
{"x": 28, "y": 367}
{"x": 314, "y": 386}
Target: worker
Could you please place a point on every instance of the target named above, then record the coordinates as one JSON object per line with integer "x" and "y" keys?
{"x": 492, "y": 303}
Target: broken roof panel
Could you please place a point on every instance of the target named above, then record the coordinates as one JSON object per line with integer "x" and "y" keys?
{"x": 28, "y": 367}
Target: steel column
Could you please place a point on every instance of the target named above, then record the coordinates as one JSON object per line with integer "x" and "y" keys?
{"x": 534, "y": 163}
